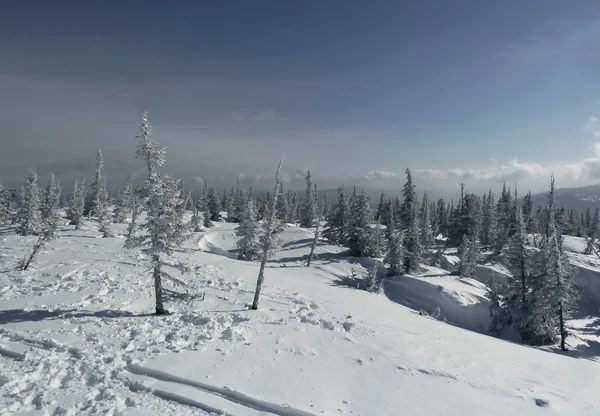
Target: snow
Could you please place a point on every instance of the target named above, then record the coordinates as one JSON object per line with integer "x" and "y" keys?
{"x": 77, "y": 336}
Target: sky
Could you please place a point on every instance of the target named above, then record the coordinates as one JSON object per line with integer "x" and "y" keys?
{"x": 478, "y": 92}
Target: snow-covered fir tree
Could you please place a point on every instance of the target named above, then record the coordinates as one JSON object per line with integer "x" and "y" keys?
{"x": 504, "y": 214}
{"x": 240, "y": 203}
{"x": 412, "y": 244}
{"x": 558, "y": 276}
{"x": 390, "y": 221}
{"x": 426, "y": 233}
{"x": 394, "y": 259}
{"x": 29, "y": 212}
{"x": 101, "y": 209}
{"x": 553, "y": 293}
{"x": 213, "y": 204}
{"x": 123, "y": 203}
{"x": 4, "y": 206}
{"x": 407, "y": 209}
{"x": 195, "y": 223}
{"x": 248, "y": 231}
{"x": 380, "y": 214}
{"x": 468, "y": 254}
{"x": 497, "y": 309}
{"x": 488, "y": 221}
{"x": 315, "y": 237}
{"x": 51, "y": 197}
{"x": 363, "y": 239}
{"x": 206, "y": 221}
{"x": 164, "y": 225}
{"x": 268, "y": 240}
{"x": 282, "y": 204}
{"x": 135, "y": 211}
{"x": 371, "y": 282}
{"x": 309, "y": 204}
{"x": 326, "y": 207}
{"x": 593, "y": 234}
{"x": 76, "y": 205}
{"x": 337, "y": 229}
{"x": 518, "y": 289}
{"x": 96, "y": 185}
{"x": 48, "y": 229}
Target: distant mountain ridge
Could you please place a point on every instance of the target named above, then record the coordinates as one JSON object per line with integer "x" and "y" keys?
{"x": 579, "y": 198}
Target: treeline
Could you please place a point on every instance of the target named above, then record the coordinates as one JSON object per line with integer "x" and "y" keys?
{"x": 405, "y": 231}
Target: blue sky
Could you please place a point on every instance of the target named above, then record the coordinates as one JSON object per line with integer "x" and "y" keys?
{"x": 355, "y": 90}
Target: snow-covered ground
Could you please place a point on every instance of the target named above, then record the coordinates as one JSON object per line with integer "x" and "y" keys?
{"x": 77, "y": 337}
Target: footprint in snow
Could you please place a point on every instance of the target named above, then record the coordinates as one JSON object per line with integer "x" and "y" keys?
{"x": 542, "y": 403}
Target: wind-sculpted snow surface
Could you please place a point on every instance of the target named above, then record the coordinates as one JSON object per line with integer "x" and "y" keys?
{"x": 77, "y": 337}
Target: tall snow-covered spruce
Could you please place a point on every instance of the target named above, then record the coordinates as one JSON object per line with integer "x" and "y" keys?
{"x": 248, "y": 229}
{"x": 267, "y": 242}
{"x": 76, "y": 205}
{"x": 309, "y": 207}
{"x": 553, "y": 289}
{"x": 519, "y": 282}
{"x": 101, "y": 209}
{"x": 164, "y": 225}
{"x": 29, "y": 212}
{"x": 337, "y": 229}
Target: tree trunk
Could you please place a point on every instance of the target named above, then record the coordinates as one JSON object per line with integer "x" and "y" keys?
{"x": 563, "y": 333}
{"x": 314, "y": 242}
{"x": 158, "y": 291}
{"x": 267, "y": 243}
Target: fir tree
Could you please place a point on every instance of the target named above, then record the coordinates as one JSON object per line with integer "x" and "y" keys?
{"x": 96, "y": 185}
{"x": 164, "y": 224}
{"x": 248, "y": 233}
{"x": 497, "y": 310}
{"x": 77, "y": 204}
{"x": 426, "y": 233}
{"x": 101, "y": 209}
{"x": 309, "y": 206}
{"x": 412, "y": 245}
{"x": 519, "y": 283}
{"x": 29, "y": 212}
{"x": 394, "y": 260}
{"x": 407, "y": 210}
{"x": 133, "y": 224}
{"x": 326, "y": 207}
{"x": 337, "y": 229}
{"x": 468, "y": 253}
{"x": 240, "y": 203}
{"x": 371, "y": 282}
{"x": 195, "y": 220}
{"x": 214, "y": 205}
{"x": 282, "y": 204}
{"x": 488, "y": 223}
{"x": 593, "y": 234}
{"x": 363, "y": 239}
{"x": 380, "y": 214}
{"x": 315, "y": 238}
{"x": 527, "y": 210}
{"x": 553, "y": 290}
{"x": 4, "y": 206}
{"x": 504, "y": 210}
{"x": 48, "y": 229}
{"x": 51, "y": 197}
{"x": 206, "y": 222}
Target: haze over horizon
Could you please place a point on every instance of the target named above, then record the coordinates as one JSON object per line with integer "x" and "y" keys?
{"x": 457, "y": 91}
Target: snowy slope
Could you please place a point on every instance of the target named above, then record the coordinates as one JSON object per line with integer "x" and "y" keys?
{"x": 76, "y": 338}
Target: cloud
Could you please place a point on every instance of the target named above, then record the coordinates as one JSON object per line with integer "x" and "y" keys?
{"x": 528, "y": 176}
{"x": 197, "y": 180}
{"x": 242, "y": 119}
{"x": 593, "y": 126}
